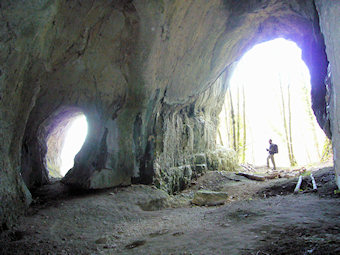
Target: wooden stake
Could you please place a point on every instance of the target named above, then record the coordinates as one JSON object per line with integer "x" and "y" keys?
{"x": 297, "y": 188}
{"x": 314, "y": 183}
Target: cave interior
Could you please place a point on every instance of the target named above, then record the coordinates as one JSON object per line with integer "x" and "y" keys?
{"x": 150, "y": 77}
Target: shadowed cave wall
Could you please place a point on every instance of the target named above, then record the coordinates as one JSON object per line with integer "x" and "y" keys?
{"x": 150, "y": 76}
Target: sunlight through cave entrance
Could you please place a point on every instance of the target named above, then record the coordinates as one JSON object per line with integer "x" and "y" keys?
{"x": 64, "y": 143}
{"x": 269, "y": 97}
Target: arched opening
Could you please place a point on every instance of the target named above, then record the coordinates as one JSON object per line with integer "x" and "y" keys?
{"x": 269, "y": 97}
{"x": 64, "y": 142}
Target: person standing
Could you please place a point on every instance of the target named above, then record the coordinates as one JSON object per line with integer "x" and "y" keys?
{"x": 272, "y": 151}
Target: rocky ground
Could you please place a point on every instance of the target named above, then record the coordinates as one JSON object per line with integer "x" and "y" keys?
{"x": 257, "y": 218}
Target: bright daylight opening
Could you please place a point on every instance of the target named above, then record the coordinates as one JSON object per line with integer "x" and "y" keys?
{"x": 64, "y": 143}
{"x": 74, "y": 140}
{"x": 270, "y": 98}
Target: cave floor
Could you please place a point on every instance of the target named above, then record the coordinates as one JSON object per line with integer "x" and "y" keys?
{"x": 260, "y": 218}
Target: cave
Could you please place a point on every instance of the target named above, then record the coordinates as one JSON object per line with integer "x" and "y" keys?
{"x": 268, "y": 91}
{"x": 44, "y": 157}
{"x": 64, "y": 142}
{"x": 150, "y": 77}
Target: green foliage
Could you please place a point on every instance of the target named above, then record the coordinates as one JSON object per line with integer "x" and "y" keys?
{"x": 287, "y": 123}
{"x": 311, "y": 118}
{"x": 53, "y": 170}
{"x": 236, "y": 123}
{"x": 327, "y": 151}
{"x": 307, "y": 173}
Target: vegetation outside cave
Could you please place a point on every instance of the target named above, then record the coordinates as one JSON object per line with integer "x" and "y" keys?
{"x": 64, "y": 143}
{"x": 270, "y": 97}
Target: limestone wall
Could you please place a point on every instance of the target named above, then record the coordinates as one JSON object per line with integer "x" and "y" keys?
{"x": 145, "y": 74}
{"x": 329, "y": 12}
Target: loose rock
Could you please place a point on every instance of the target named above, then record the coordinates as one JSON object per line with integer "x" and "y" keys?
{"x": 208, "y": 197}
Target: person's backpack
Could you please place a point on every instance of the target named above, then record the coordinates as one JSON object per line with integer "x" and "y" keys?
{"x": 275, "y": 148}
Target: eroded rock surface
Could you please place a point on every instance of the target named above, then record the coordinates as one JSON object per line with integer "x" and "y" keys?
{"x": 329, "y": 22}
{"x": 150, "y": 76}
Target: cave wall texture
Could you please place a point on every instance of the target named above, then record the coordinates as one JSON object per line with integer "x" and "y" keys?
{"x": 329, "y": 22}
{"x": 149, "y": 75}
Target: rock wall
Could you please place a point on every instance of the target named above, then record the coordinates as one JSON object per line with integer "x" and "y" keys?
{"x": 183, "y": 141}
{"x": 145, "y": 74}
{"x": 329, "y": 21}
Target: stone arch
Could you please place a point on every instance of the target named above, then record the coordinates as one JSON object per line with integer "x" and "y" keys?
{"x": 202, "y": 85}
{"x": 307, "y": 36}
{"x": 56, "y": 140}
{"x": 42, "y": 154}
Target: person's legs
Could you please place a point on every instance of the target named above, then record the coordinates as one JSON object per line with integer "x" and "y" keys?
{"x": 273, "y": 161}
{"x": 268, "y": 160}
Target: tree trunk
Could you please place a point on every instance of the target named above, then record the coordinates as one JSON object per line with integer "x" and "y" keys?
{"x": 227, "y": 120}
{"x": 233, "y": 120}
{"x": 285, "y": 121}
{"x": 293, "y": 160}
{"x": 238, "y": 123}
{"x": 244, "y": 127}
{"x": 311, "y": 119}
{"x": 220, "y": 136}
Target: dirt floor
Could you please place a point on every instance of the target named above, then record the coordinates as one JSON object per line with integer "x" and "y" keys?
{"x": 258, "y": 218}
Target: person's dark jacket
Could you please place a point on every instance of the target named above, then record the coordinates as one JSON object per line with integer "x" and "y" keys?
{"x": 271, "y": 149}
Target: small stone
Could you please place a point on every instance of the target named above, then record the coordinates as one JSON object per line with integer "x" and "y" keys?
{"x": 135, "y": 244}
{"x": 101, "y": 240}
{"x": 193, "y": 182}
{"x": 159, "y": 233}
{"x": 200, "y": 168}
{"x": 225, "y": 225}
{"x": 111, "y": 246}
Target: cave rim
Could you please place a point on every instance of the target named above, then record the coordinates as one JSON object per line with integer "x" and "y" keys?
{"x": 74, "y": 117}
{"x": 298, "y": 31}
{"x": 313, "y": 53}
{"x": 282, "y": 40}
{"x": 34, "y": 166}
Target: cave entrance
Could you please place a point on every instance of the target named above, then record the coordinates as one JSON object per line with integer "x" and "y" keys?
{"x": 64, "y": 143}
{"x": 269, "y": 97}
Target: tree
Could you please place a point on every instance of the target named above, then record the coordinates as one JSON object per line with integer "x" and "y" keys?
{"x": 235, "y": 120}
{"x": 244, "y": 127}
{"x": 327, "y": 150}
{"x": 311, "y": 117}
{"x": 287, "y": 124}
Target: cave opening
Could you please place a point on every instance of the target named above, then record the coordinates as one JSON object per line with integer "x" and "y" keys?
{"x": 269, "y": 97}
{"x": 63, "y": 144}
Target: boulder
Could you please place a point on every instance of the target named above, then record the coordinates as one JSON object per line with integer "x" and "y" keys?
{"x": 173, "y": 179}
{"x": 200, "y": 168}
{"x": 200, "y": 159}
{"x": 208, "y": 197}
{"x": 222, "y": 159}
